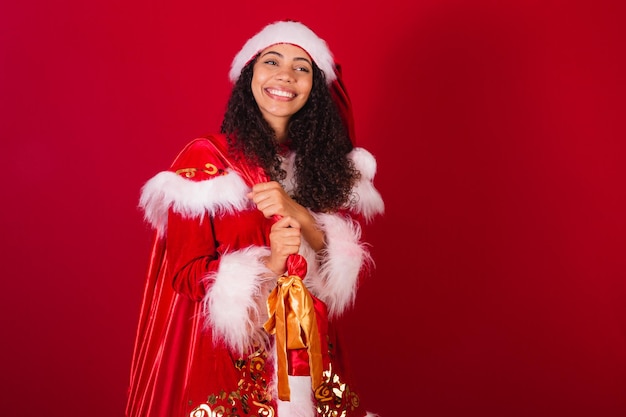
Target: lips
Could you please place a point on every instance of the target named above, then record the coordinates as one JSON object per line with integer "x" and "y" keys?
{"x": 280, "y": 93}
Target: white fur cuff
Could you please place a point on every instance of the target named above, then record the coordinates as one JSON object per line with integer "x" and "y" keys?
{"x": 234, "y": 306}
{"x": 340, "y": 262}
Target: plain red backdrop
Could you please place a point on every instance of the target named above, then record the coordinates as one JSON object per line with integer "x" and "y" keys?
{"x": 499, "y": 133}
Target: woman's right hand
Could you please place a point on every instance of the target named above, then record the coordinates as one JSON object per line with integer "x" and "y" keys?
{"x": 285, "y": 239}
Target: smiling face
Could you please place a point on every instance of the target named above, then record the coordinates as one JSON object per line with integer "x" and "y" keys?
{"x": 281, "y": 84}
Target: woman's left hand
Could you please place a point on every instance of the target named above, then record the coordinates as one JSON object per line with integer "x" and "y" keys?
{"x": 272, "y": 200}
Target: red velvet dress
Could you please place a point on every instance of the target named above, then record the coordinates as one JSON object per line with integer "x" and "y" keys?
{"x": 201, "y": 349}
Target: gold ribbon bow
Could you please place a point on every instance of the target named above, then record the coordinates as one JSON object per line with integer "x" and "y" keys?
{"x": 292, "y": 319}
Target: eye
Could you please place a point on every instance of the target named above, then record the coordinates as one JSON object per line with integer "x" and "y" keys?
{"x": 303, "y": 69}
{"x": 270, "y": 62}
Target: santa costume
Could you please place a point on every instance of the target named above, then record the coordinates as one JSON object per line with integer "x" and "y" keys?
{"x": 208, "y": 341}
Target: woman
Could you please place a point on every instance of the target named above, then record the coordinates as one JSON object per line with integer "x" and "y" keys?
{"x": 257, "y": 246}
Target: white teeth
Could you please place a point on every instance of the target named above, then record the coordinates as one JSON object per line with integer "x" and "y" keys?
{"x": 281, "y": 93}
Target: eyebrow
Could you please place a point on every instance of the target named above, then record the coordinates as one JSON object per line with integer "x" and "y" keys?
{"x": 282, "y": 56}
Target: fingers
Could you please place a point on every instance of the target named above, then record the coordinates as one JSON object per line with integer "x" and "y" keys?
{"x": 285, "y": 236}
{"x": 264, "y": 186}
{"x": 287, "y": 222}
{"x": 262, "y": 190}
{"x": 285, "y": 239}
{"x": 271, "y": 199}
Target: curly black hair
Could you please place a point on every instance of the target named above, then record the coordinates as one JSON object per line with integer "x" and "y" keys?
{"x": 324, "y": 175}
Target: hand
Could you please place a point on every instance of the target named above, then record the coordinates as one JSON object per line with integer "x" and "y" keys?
{"x": 285, "y": 239}
{"x": 272, "y": 200}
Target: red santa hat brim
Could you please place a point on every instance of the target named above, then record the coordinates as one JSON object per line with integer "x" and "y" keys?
{"x": 291, "y": 32}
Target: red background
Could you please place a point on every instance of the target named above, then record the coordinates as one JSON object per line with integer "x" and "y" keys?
{"x": 499, "y": 133}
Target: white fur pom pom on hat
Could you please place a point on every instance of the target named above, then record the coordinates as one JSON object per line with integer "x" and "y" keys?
{"x": 291, "y": 32}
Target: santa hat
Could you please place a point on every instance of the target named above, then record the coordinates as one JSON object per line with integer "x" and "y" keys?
{"x": 291, "y": 32}
{"x": 296, "y": 33}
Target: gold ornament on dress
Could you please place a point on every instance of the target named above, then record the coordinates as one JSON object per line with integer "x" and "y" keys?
{"x": 191, "y": 172}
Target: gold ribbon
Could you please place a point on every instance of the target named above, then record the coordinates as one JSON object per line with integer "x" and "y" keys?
{"x": 292, "y": 319}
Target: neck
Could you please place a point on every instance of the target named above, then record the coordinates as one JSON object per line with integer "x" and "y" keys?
{"x": 280, "y": 129}
{"x": 281, "y": 137}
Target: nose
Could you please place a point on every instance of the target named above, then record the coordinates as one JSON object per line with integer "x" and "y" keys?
{"x": 286, "y": 75}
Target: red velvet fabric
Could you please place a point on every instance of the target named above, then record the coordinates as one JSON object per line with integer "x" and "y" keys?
{"x": 176, "y": 363}
{"x": 342, "y": 100}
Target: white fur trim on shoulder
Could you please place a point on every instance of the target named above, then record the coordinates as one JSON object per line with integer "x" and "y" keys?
{"x": 167, "y": 190}
{"x": 341, "y": 262}
{"x": 369, "y": 202}
{"x": 234, "y": 305}
{"x": 291, "y": 32}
